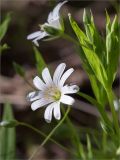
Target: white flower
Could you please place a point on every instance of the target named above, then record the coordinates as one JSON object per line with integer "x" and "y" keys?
{"x": 116, "y": 104}
{"x": 52, "y": 92}
{"x": 53, "y": 20}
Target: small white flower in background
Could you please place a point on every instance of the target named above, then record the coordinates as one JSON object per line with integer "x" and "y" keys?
{"x": 53, "y": 20}
{"x": 116, "y": 104}
{"x": 52, "y": 92}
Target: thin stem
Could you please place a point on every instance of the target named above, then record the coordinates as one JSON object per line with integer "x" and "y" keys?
{"x": 50, "y": 134}
{"x": 69, "y": 38}
{"x": 115, "y": 120}
{"x": 42, "y": 134}
{"x": 54, "y": 129}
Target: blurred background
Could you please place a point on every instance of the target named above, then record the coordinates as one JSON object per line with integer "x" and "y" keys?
{"x": 26, "y": 16}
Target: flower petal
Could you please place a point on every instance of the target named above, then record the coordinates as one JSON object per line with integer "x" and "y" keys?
{"x": 70, "y": 89}
{"x": 58, "y": 73}
{"x": 57, "y": 113}
{"x": 55, "y": 12}
{"x": 55, "y": 24}
{"x": 65, "y": 76}
{"x": 40, "y": 103}
{"x": 46, "y": 76}
{"x": 32, "y": 96}
{"x": 67, "y": 100}
{"x": 48, "y": 113}
{"x": 38, "y": 83}
{"x": 43, "y": 34}
{"x": 50, "y": 17}
{"x": 34, "y": 35}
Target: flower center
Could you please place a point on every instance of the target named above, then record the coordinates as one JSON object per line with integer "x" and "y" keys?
{"x": 53, "y": 92}
{"x": 57, "y": 95}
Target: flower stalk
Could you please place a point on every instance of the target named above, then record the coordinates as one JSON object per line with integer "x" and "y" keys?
{"x": 42, "y": 134}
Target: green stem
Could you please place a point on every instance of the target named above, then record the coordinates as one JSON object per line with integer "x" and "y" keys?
{"x": 115, "y": 120}
{"x": 51, "y": 133}
{"x": 42, "y": 134}
{"x": 69, "y": 38}
{"x": 54, "y": 129}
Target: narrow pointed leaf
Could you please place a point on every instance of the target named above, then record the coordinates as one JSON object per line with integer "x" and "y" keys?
{"x": 19, "y": 69}
{"x": 89, "y": 148}
{"x": 40, "y": 63}
{"x": 4, "y": 25}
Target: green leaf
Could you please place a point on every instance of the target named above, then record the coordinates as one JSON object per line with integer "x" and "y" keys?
{"x": 82, "y": 152}
{"x": 40, "y": 63}
{"x": 108, "y": 24}
{"x": 19, "y": 69}
{"x": 92, "y": 58}
{"x": 9, "y": 123}
{"x": 4, "y": 26}
{"x": 87, "y": 21}
{"x": 94, "y": 37}
{"x": 3, "y": 47}
{"x": 112, "y": 50}
{"x": 96, "y": 66}
{"x": 7, "y": 136}
{"x": 89, "y": 148}
{"x": 98, "y": 90}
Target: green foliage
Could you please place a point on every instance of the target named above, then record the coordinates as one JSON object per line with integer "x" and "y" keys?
{"x": 9, "y": 123}
{"x": 7, "y": 136}
{"x": 52, "y": 31}
{"x": 3, "y": 29}
{"x": 92, "y": 58}
{"x": 89, "y": 148}
{"x": 112, "y": 47}
{"x": 40, "y": 63}
{"x": 100, "y": 58}
{"x": 4, "y": 25}
{"x": 3, "y": 47}
{"x": 19, "y": 69}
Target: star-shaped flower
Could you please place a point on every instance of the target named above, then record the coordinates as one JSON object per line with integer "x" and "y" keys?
{"x": 53, "y": 20}
{"x": 52, "y": 92}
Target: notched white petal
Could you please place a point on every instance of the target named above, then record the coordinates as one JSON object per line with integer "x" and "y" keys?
{"x": 55, "y": 24}
{"x": 57, "y": 113}
{"x": 46, "y": 76}
{"x": 58, "y": 73}
{"x": 40, "y": 103}
{"x": 57, "y": 8}
{"x": 32, "y": 96}
{"x": 67, "y": 100}
{"x": 48, "y": 113}
{"x": 34, "y": 35}
{"x": 38, "y": 83}
{"x": 70, "y": 89}
{"x": 65, "y": 76}
{"x": 42, "y": 35}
